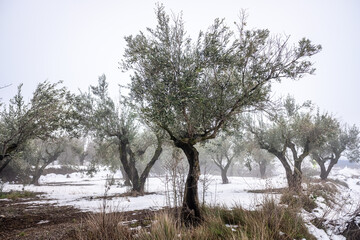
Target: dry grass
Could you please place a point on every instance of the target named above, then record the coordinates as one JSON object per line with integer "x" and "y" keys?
{"x": 307, "y": 199}
{"x": 105, "y": 226}
{"x": 269, "y": 222}
{"x": 297, "y": 201}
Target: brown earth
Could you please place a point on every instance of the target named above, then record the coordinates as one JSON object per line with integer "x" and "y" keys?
{"x": 22, "y": 219}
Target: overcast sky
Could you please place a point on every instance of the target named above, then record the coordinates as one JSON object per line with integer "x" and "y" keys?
{"x": 78, "y": 40}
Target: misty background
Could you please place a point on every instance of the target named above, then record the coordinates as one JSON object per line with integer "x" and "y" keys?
{"x": 77, "y": 41}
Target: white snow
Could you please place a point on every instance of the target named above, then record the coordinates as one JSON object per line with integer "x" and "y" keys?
{"x": 81, "y": 191}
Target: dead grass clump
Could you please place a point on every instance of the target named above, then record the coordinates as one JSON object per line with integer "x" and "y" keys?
{"x": 326, "y": 190}
{"x": 297, "y": 201}
{"x": 164, "y": 226}
{"x": 272, "y": 222}
{"x": 105, "y": 226}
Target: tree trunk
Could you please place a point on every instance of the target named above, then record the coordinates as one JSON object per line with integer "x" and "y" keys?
{"x": 129, "y": 165}
{"x": 37, "y": 176}
{"x": 127, "y": 181}
{"x": 7, "y": 161}
{"x": 35, "y": 179}
{"x": 294, "y": 180}
{"x": 225, "y": 180}
{"x": 190, "y": 212}
{"x": 262, "y": 167}
{"x": 133, "y": 174}
{"x": 324, "y": 173}
{"x": 39, "y": 171}
{"x": 148, "y": 167}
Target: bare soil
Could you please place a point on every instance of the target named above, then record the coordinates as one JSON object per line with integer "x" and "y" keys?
{"x": 23, "y": 219}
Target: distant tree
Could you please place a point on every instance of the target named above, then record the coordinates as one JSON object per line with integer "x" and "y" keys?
{"x": 345, "y": 142}
{"x": 293, "y": 133}
{"x": 41, "y": 153}
{"x": 259, "y": 156}
{"x": 99, "y": 115}
{"x": 223, "y": 152}
{"x": 48, "y": 111}
{"x": 192, "y": 90}
{"x": 80, "y": 149}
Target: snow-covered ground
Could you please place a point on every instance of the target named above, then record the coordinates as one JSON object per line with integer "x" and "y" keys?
{"x": 80, "y": 190}
{"x": 336, "y": 215}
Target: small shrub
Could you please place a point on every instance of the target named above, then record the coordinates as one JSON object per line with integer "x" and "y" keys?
{"x": 14, "y": 195}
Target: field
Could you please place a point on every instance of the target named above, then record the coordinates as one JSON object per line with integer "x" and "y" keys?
{"x": 57, "y": 208}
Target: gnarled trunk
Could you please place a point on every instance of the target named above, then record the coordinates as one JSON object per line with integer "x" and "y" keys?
{"x": 324, "y": 173}
{"x": 129, "y": 166}
{"x": 224, "y": 178}
{"x": 190, "y": 212}
{"x": 37, "y": 174}
{"x": 294, "y": 180}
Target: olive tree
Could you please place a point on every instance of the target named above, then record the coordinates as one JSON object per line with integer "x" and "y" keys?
{"x": 261, "y": 157}
{"x": 41, "y": 153}
{"x": 48, "y": 111}
{"x": 223, "y": 151}
{"x": 99, "y": 116}
{"x": 193, "y": 89}
{"x": 292, "y": 134}
{"x": 345, "y": 142}
{"x": 79, "y": 148}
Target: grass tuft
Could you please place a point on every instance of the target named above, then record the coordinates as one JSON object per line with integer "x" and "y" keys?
{"x": 296, "y": 201}
{"x": 14, "y": 195}
{"x": 106, "y": 226}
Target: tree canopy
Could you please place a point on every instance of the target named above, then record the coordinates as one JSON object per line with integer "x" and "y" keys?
{"x": 291, "y": 134}
{"x": 194, "y": 88}
{"x": 48, "y": 112}
{"x": 345, "y": 142}
{"x": 118, "y": 125}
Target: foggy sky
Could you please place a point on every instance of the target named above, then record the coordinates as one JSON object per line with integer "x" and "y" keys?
{"x": 78, "y": 40}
